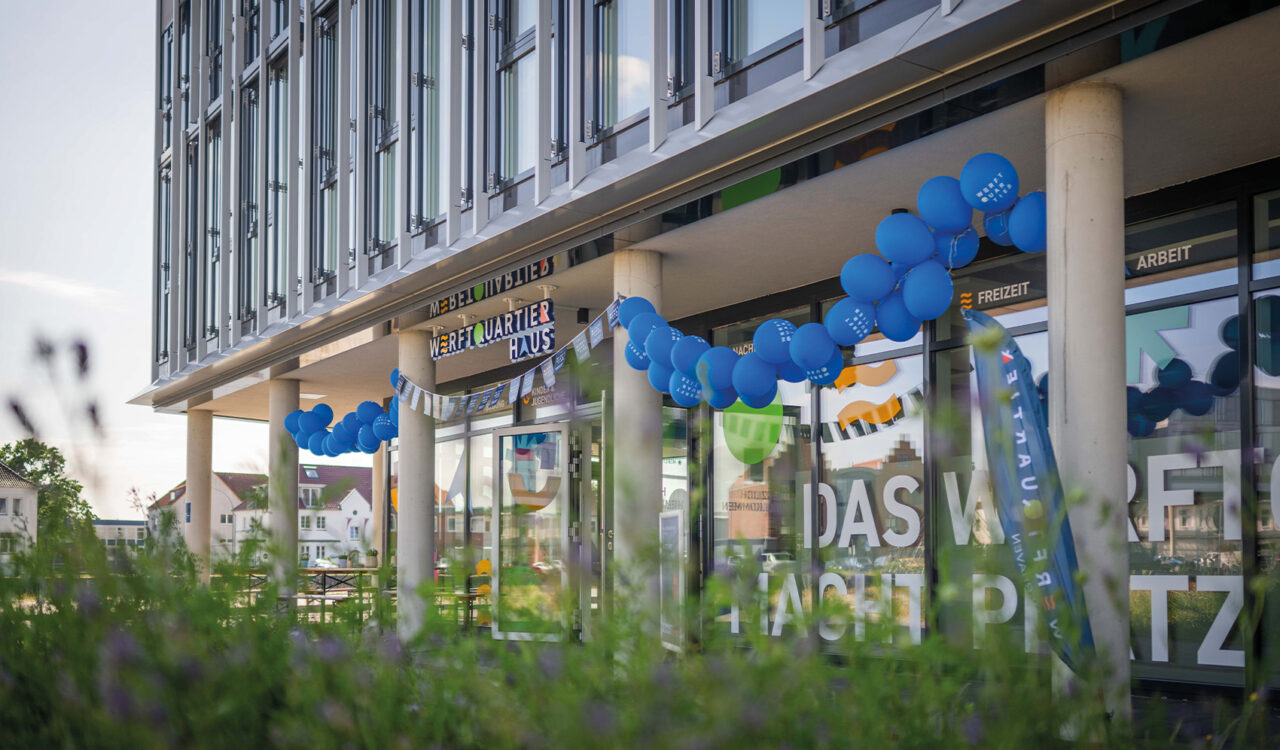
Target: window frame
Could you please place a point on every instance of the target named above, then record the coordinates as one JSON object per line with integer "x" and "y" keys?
{"x": 211, "y": 253}
{"x": 251, "y": 13}
{"x": 382, "y": 89}
{"x": 277, "y": 150}
{"x": 213, "y": 49}
{"x": 724, "y": 64}
{"x": 248, "y": 259}
{"x": 326, "y": 130}
{"x": 593, "y": 68}
{"x": 505, "y": 50}
{"x": 163, "y": 282}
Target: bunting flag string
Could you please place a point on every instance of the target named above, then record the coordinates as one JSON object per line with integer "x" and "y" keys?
{"x": 415, "y": 397}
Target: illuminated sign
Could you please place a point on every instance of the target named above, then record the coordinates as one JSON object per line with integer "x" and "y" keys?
{"x": 500, "y": 284}
{"x": 496, "y": 328}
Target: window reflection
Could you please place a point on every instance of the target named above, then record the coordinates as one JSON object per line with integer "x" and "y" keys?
{"x": 755, "y": 24}
{"x": 623, "y": 29}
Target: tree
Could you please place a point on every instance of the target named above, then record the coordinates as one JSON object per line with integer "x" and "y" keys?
{"x": 60, "y": 500}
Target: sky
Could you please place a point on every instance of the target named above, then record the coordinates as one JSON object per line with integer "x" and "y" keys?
{"x": 77, "y": 81}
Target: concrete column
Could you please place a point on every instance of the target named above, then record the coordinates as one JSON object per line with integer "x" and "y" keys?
{"x": 1085, "y": 189}
{"x": 199, "y": 485}
{"x": 416, "y": 519}
{"x": 282, "y": 487}
{"x": 378, "y": 523}
{"x": 637, "y": 429}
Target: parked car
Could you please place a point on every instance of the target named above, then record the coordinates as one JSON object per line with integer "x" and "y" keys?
{"x": 776, "y": 562}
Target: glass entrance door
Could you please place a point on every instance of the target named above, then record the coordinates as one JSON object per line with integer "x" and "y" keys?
{"x": 531, "y": 528}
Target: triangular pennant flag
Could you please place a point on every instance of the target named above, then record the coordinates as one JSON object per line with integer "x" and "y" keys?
{"x": 549, "y": 373}
{"x": 514, "y": 393}
{"x": 472, "y": 403}
{"x": 596, "y": 332}
{"x": 485, "y": 399}
{"x": 526, "y": 386}
{"x": 580, "y": 348}
{"x": 497, "y": 395}
{"x": 560, "y": 358}
{"x": 611, "y": 312}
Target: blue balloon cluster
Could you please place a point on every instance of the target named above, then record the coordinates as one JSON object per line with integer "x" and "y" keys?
{"x": 364, "y": 429}
{"x": 908, "y": 282}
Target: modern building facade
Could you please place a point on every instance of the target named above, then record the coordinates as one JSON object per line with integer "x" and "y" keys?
{"x": 340, "y": 185}
{"x": 121, "y": 536}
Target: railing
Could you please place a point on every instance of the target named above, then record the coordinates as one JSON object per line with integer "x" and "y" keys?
{"x": 324, "y": 592}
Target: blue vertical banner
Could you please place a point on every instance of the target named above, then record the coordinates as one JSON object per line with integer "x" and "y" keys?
{"x": 1028, "y": 490}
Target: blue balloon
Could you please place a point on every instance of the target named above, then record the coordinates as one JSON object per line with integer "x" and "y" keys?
{"x": 811, "y": 347}
{"x": 752, "y": 376}
{"x": 849, "y": 321}
{"x": 904, "y": 238}
{"x": 366, "y": 448}
{"x": 660, "y": 376}
{"x": 341, "y": 435}
{"x": 772, "y": 340}
{"x": 997, "y": 228}
{"x": 927, "y": 290}
{"x": 867, "y": 277}
{"x": 722, "y": 399}
{"x": 761, "y": 401}
{"x": 900, "y": 269}
{"x": 642, "y": 325}
{"x": 310, "y": 422}
{"x": 829, "y": 372}
{"x": 685, "y": 353}
{"x": 989, "y": 183}
{"x": 367, "y": 438}
{"x": 659, "y": 343}
{"x": 636, "y": 357}
{"x": 395, "y": 377}
{"x": 942, "y": 205}
{"x": 324, "y": 412}
{"x": 1194, "y": 398}
{"x": 315, "y": 443}
{"x": 352, "y": 422}
{"x": 330, "y": 446}
{"x": 631, "y": 307}
{"x": 957, "y": 250}
{"x": 894, "y": 320}
{"x": 301, "y": 438}
{"x": 291, "y": 422}
{"x": 715, "y": 369}
{"x": 368, "y": 411}
{"x": 384, "y": 428}
{"x": 1174, "y": 374}
{"x": 790, "y": 372}
{"x": 1027, "y": 223}
{"x": 1230, "y": 330}
{"x": 684, "y": 390}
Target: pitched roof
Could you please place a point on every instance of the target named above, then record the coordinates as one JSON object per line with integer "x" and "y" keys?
{"x": 241, "y": 484}
{"x": 359, "y": 477}
{"x": 170, "y": 497}
{"x": 11, "y": 478}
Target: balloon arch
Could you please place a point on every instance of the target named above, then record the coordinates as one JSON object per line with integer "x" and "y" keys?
{"x": 906, "y": 283}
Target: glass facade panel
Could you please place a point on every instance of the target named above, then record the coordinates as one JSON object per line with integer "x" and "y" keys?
{"x": 518, "y": 84}
{"x": 1266, "y": 381}
{"x": 184, "y": 61}
{"x": 212, "y": 255}
{"x": 623, "y": 34}
{"x": 1184, "y": 464}
{"x": 165, "y": 94}
{"x": 248, "y": 258}
{"x": 756, "y": 24}
{"x": 191, "y": 238}
{"x": 277, "y": 219}
{"x": 1179, "y": 254}
{"x": 251, "y": 12}
{"x": 533, "y": 492}
{"x": 325, "y": 126}
{"x": 451, "y": 503}
{"x": 430, "y": 175}
{"x": 383, "y": 82}
{"x": 213, "y": 47}
{"x": 870, "y": 504}
{"x": 164, "y": 265}
{"x": 1266, "y": 235}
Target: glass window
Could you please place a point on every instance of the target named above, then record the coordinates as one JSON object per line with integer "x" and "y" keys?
{"x": 277, "y": 219}
{"x": 430, "y": 175}
{"x": 191, "y": 237}
{"x": 522, "y": 16}
{"x": 212, "y": 255}
{"x": 188, "y": 512}
{"x": 870, "y": 505}
{"x": 17, "y": 506}
{"x": 533, "y": 487}
{"x": 249, "y": 10}
{"x": 184, "y": 61}
{"x": 325, "y": 129}
{"x": 213, "y": 46}
{"x": 1182, "y": 253}
{"x": 755, "y": 24}
{"x": 304, "y": 521}
{"x": 384, "y": 58}
{"x": 760, "y": 468}
{"x": 320, "y": 522}
{"x": 518, "y": 104}
{"x": 679, "y": 46}
{"x": 1184, "y": 482}
{"x": 166, "y": 88}
{"x": 4, "y": 506}
{"x": 1266, "y": 374}
{"x": 164, "y": 263}
{"x": 279, "y": 17}
{"x": 248, "y": 257}
{"x": 623, "y": 49}
{"x": 1266, "y": 235}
